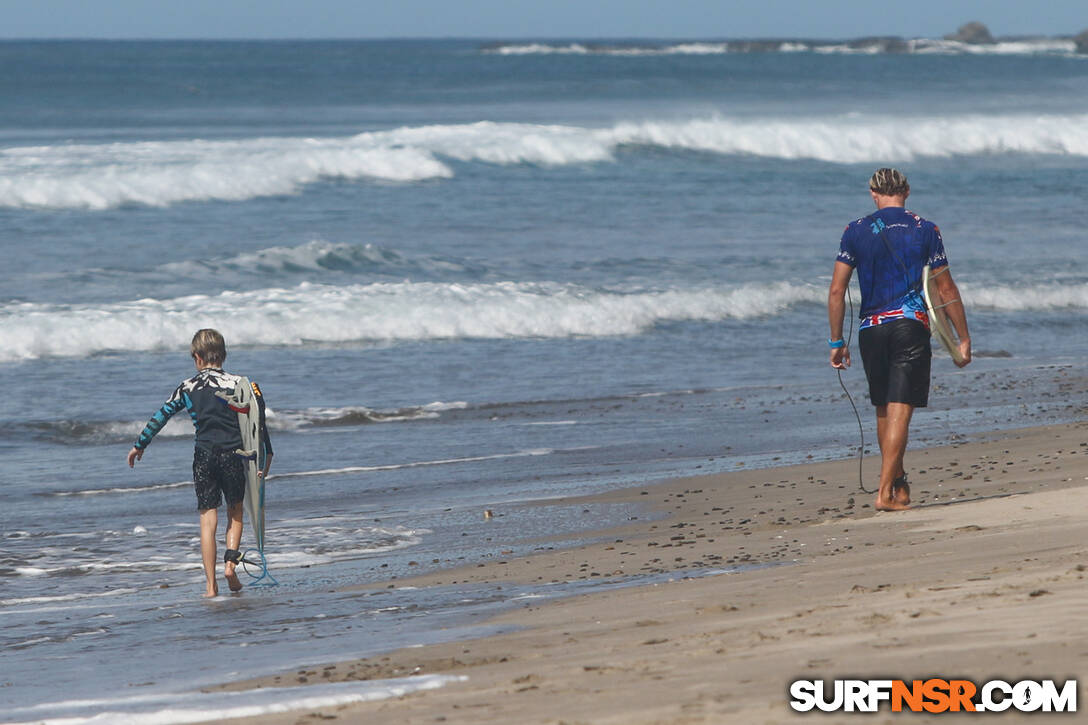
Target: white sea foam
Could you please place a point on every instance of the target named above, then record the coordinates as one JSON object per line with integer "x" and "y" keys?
{"x": 298, "y": 543}
{"x": 1042, "y": 297}
{"x": 92, "y": 562}
{"x": 158, "y": 173}
{"x": 311, "y": 313}
{"x": 177, "y": 427}
{"x": 353, "y": 415}
{"x": 393, "y": 312}
{"x": 168, "y": 172}
{"x": 192, "y": 707}
{"x": 314, "y": 542}
{"x": 73, "y": 596}
{"x": 539, "y": 49}
{"x": 691, "y": 48}
{"x": 316, "y": 255}
{"x": 92, "y": 432}
{"x": 417, "y": 464}
{"x": 438, "y": 406}
{"x": 1031, "y": 46}
{"x": 1026, "y": 46}
{"x": 848, "y": 49}
{"x": 860, "y": 139}
{"x": 124, "y": 489}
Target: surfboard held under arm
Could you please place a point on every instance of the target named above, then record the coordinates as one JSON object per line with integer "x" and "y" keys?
{"x": 939, "y": 324}
{"x": 244, "y": 402}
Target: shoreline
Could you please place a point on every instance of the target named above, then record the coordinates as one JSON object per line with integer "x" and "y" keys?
{"x": 982, "y": 579}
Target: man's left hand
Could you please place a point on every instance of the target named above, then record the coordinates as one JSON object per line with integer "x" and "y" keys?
{"x": 840, "y": 358}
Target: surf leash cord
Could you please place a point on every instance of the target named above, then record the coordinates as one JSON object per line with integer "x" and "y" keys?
{"x": 842, "y": 384}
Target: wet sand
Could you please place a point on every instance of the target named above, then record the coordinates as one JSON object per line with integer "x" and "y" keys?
{"x": 984, "y": 578}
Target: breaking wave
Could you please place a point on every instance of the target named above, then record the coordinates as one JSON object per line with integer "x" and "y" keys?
{"x": 314, "y": 261}
{"x": 310, "y": 314}
{"x": 1046, "y": 297}
{"x": 161, "y": 173}
{"x": 414, "y": 311}
{"x": 97, "y": 432}
{"x": 322, "y": 256}
{"x": 388, "y": 312}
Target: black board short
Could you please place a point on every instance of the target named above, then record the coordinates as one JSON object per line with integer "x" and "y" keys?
{"x": 217, "y": 474}
{"x": 897, "y": 357}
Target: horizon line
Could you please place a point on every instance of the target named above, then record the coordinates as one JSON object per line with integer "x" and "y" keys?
{"x": 513, "y": 37}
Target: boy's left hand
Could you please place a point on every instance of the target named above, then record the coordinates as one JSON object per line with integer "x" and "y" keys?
{"x": 134, "y": 455}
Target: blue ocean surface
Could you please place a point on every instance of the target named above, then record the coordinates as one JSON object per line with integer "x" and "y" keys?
{"x": 468, "y": 276}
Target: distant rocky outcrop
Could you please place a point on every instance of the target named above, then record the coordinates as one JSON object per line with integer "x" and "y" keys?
{"x": 1082, "y": 42}
{"x": 973, "y": 33}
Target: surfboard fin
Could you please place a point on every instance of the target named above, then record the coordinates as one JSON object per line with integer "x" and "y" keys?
{"x": 232, "y": 402}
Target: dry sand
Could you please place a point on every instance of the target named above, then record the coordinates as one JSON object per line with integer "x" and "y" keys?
{"x": 983, "y": 579}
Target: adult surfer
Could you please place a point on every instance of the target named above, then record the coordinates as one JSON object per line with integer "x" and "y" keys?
{"x": 889, "y": 248}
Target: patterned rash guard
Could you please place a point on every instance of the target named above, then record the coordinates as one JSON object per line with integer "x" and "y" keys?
{"x": 891, "y": 282}
{"x": 216, "y": 424}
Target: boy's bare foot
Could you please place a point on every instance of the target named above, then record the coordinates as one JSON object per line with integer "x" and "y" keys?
{"x": 213, "y": 591}
{"x": 232, "y": 577}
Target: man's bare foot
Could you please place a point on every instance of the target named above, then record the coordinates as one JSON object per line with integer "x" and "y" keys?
{"x": 232, "y": 577}
{"x": 901, "y": 490}
{"x": 212, "y": 591}
{"x": 889, "y": 504}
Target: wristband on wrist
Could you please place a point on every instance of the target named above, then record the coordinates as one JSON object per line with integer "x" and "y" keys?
{"x": 835, "y": 344}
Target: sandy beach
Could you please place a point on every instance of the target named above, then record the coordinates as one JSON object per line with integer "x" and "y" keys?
{"x": 984, "y": 578}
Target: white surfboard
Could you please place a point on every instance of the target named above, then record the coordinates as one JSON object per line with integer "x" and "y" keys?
{"x": 244, "y": 401}
{"x": 939, "y": 325}
{"x": 249, "y": 420}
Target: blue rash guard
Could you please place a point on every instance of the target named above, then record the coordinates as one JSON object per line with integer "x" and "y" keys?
{"x": 891, "y": 282}
{"x": 216, "y": 424}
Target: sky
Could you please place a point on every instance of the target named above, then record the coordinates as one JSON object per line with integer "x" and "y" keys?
{"x": 510, "y": 19}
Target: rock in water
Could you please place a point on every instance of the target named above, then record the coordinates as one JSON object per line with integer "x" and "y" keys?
{"x": 973, "y": 33}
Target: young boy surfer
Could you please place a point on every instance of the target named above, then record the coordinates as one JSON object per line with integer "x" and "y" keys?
{"x": 218, "y": 470}
{"x": 889, "y": 249}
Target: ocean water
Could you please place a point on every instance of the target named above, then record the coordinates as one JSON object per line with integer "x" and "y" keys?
{"x": 468, "y": 276}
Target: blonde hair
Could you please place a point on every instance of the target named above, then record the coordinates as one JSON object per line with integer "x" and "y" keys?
{"x": 210, "y": 346}
{"x": 889, "y": 182}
